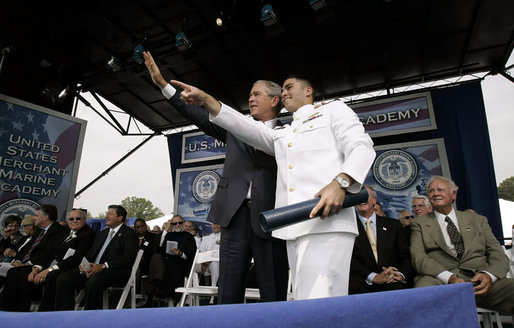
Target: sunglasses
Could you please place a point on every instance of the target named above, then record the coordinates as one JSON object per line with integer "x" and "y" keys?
{"x": 139, "y": 226}
{"x": 175, "y": 223}
{"x": 73, "y": 219}
{"x": 409, "y": 217}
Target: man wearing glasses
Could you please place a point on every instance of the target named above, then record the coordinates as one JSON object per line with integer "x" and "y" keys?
{"x": 380, "y": 259}
{"x": 173, "y": 263}
{"x": 67, "y": 257}
{"x": 405, "y": 216}
{"x": 111, "y": 257}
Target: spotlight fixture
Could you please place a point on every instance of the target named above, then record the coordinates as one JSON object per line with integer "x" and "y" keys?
{"x": 114, "y": 64}
{"x": 268, "y": 16}
{"x": 55, "y": 92}
{"x": 182, "y": 42}
{"x": 138, "y": 54}
{"x": 219, "y": 21}
{"x": 63, "y": 94}
{"x": 317, "y": 4}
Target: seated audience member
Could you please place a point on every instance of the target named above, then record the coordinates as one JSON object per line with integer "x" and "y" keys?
{"x": 67, "y": 257}
{"x": 27, "y": 226}
{"x": 156, "y": 230}
{"x": 405, "y": 216}
{"x": 147, "y": 242}
{"x": 421, "y": 205}
{"x": 111, "y": 258}
{"x": 173, "y": 262}
{"x": 190, "y": 227}
{"x": 380, "y": 259}
{"x": 450, "y": 246}
{"x": 209, "y": 243}
{"x": 38, "y": 253}
{"x": 379, "y": 209}
{"x": 12, "y": 238}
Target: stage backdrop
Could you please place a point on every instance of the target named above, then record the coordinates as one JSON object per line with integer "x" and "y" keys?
{"x": 442, "y": 131}
{"x": 39, "y": 156}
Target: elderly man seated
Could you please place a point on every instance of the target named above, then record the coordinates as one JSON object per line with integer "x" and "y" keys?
{"x": 171, "y": 263}
{"x": 450, "y": 246}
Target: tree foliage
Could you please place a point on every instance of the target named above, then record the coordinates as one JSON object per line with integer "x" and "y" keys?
{"x": 506, "y": 189}
{"x": 141, "y": 208}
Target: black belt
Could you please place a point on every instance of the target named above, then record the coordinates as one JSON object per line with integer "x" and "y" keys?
{"x": 246, "y": 203}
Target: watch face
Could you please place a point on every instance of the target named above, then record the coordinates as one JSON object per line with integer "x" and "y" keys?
{"x": 344, "y": 183}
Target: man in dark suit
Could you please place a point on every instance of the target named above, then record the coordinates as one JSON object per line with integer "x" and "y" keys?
{"x": 170, "y": 265}
{"x": 449, "y": 246}
{"x": 112, "y": 256}
{"x": 246, "y": 188}
{"x": 38, "y": 253}
{"x": 380, "y": 259}
{"x": 67, "y": 257}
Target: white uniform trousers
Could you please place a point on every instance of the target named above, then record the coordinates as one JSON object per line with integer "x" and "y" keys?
{"x": 320, "y": 264}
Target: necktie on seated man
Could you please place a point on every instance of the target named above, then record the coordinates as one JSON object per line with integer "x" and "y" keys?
{"x": 106, "y": 243}
{"x": 455, "y": 237}
{"x": 36, "y": 242}
{"x": 372, "y": 239}
{"x": 72, "y": 235}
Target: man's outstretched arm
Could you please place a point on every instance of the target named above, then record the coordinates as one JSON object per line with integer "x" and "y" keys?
{"x": 155, "y": 73}
{"x": 193, "y": 96}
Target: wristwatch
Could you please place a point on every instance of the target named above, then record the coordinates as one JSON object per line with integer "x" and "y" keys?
{"x": 343, "y": 182}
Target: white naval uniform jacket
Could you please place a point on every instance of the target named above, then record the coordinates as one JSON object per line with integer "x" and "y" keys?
{"x": 210, "y": 242}
{"x": 319, "y": 144}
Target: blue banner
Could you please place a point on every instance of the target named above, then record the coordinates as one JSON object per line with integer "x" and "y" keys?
{"x": 195, "y": 189}
{"x": 401, "y": 171}
{"x": 199, "y": 147}
{"x": 39, "y": 155}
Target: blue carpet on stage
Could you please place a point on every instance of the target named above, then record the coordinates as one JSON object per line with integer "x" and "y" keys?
{"x": 441, "y": 306}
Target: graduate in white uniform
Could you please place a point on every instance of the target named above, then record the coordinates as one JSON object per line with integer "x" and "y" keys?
{"x": 323, "y": 153}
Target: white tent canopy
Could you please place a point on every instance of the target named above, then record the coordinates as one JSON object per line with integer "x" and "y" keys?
{"x": 159, "y": 221}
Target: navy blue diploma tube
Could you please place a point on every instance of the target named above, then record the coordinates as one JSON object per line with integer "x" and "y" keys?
{"x": 295, "y": 213}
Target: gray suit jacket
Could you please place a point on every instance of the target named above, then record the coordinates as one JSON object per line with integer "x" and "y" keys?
{"x": 242, "y": 166}
{"x": 430, "y": 255}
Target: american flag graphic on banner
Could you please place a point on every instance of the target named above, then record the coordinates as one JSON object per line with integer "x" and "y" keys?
{"x": 38, "y": 153}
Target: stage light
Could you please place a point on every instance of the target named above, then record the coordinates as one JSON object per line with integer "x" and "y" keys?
{"x": 62, "y": 95}
{"x": 55, "y": 92}
{"x": 317, "y": 4}
{"x": 219, "y": 21}
{"x": 181, "y": 42}
{"x": 114, "y": 64}
{"x": 268, "y": 16}
{"x": 138, "y": 54}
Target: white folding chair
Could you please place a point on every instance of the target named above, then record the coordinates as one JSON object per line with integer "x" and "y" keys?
{"x": 487, "y": 318}
{"x": 192, "y": 286}
{"x": 129, "y": 287}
